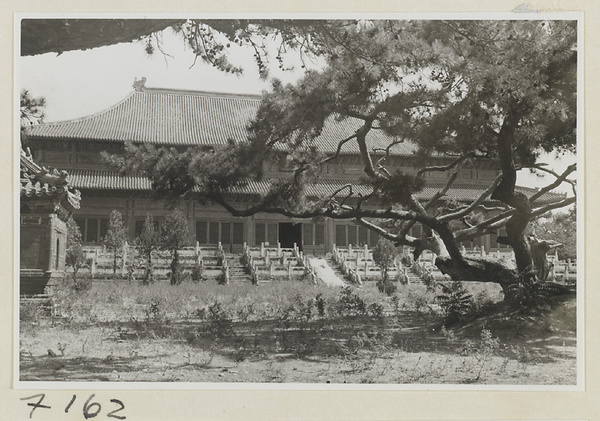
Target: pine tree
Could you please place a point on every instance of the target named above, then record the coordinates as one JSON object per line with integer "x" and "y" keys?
{"x": 146, "y": 243}
{"x": 115, "y": 237}
{"x": 174, "y": 235}
{"x": 384, "y": 254}
{"x": 500, "y": 92}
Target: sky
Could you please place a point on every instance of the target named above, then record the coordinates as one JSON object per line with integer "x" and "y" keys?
{"x": 76, "y": 84}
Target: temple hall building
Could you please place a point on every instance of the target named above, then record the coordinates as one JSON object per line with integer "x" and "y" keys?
{"x": 184, "y": 118}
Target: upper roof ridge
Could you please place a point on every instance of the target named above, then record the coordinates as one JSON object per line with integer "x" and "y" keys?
{"x": 211, "y": 94}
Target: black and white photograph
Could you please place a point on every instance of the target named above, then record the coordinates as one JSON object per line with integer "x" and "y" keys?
{"x": 378, "y": 201}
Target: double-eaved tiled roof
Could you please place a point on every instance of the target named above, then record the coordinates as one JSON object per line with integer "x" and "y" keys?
{"x": 110, "y": 180}
{"x": 170, "y": 117}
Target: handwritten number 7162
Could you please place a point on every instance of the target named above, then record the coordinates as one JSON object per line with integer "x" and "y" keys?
{"x": 91, "y": 408}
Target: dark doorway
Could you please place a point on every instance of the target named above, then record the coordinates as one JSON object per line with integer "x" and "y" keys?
{"x": 290, "y": 233}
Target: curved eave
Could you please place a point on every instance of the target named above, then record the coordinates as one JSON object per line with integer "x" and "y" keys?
{"x": 90, "y": 180}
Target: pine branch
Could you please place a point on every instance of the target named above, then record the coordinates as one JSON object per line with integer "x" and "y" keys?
{"x": 559, "y": 180}
{"x": 475, "y": 204}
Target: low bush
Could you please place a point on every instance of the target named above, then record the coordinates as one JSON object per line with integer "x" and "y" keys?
{"x": 31, "y": 312}
{"x": 387, "y": 287}
{"x": 419, "y": 300}
{"x": 455, "y": 301}
{"x": 219, "y": 321}
{"x": 197, "y": 274}
{"x": 349, "y": 303}
{"x": 321, "y": 304}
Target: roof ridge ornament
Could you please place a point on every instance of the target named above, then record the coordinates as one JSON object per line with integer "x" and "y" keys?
{"x": 139, "y": 85}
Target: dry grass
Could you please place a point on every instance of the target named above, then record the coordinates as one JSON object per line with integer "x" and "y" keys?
{"x": 289, "y": 332}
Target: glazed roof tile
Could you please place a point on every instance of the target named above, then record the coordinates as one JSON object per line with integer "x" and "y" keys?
{"x": 187, "y": 118}
{"x": 39, "y": 182}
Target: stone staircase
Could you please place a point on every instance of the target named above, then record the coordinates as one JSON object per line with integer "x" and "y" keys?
{"x": 413, "y": 277}
{"x": 238, "y": 272}
{"x": 334, "y": 266}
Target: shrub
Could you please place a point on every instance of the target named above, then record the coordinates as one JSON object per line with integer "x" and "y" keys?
{"x": 174, "y": 235}
{"x": 198, "y": 273}
{"x": 455, "y": 301}
{"x": 386, "y": 286}
{"x": 320, "y": 303}
{"x": 222, "y": 279}
{"x": 116, "y": 236}
{"x": 350, "y": 304}
{"x": 384, "y": 254}
{"x": 419, "y": 300}
{"x": 145, "y": 244}
{"x": 219, "y": 321}
{"x": 375, "y": 310}
{"x": 75, "y": 256}
{"x": 154, "y": 312}
{"x": 482, "y": 302}
{"x": 31, "y": 312}
{"x": 72, "y": 282}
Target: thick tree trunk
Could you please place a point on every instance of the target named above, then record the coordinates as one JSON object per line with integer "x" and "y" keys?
{"x": 505, "y": 192}
{"x": 479, "y": 270}
{"x": 450, "y": 260}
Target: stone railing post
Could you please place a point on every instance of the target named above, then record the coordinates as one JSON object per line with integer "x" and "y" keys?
{"x": 226, "y": 274}
{"x": 94, "y": 260}
{"x": 278, "y": 249}
{"x": 262, "y": 249}
{"x": 124, "y": 259}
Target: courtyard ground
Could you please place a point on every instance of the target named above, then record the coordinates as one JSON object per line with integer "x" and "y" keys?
{"x": 292, "y": 333}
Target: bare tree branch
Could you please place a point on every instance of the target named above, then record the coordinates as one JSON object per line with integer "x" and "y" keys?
{"x": 503, "y": 216}
{"x": 445, "y": 189}
{"x": 388, "y": 147}
{"x": 338, "y": 150}
{"x": 442, "y": 167}
{"x": 555, "y": 205}
{"x": 486, "y": 193}
{"x": 334, "y": 213}
{"x": 399, "y": 240}
{"x": 562, "y": 177}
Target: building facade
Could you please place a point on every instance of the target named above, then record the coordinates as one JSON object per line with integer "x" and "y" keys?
{"x": 184, "y": 118}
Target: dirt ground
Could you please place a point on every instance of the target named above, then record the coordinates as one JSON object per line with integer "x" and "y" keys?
{"x": 405, "y": 348}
